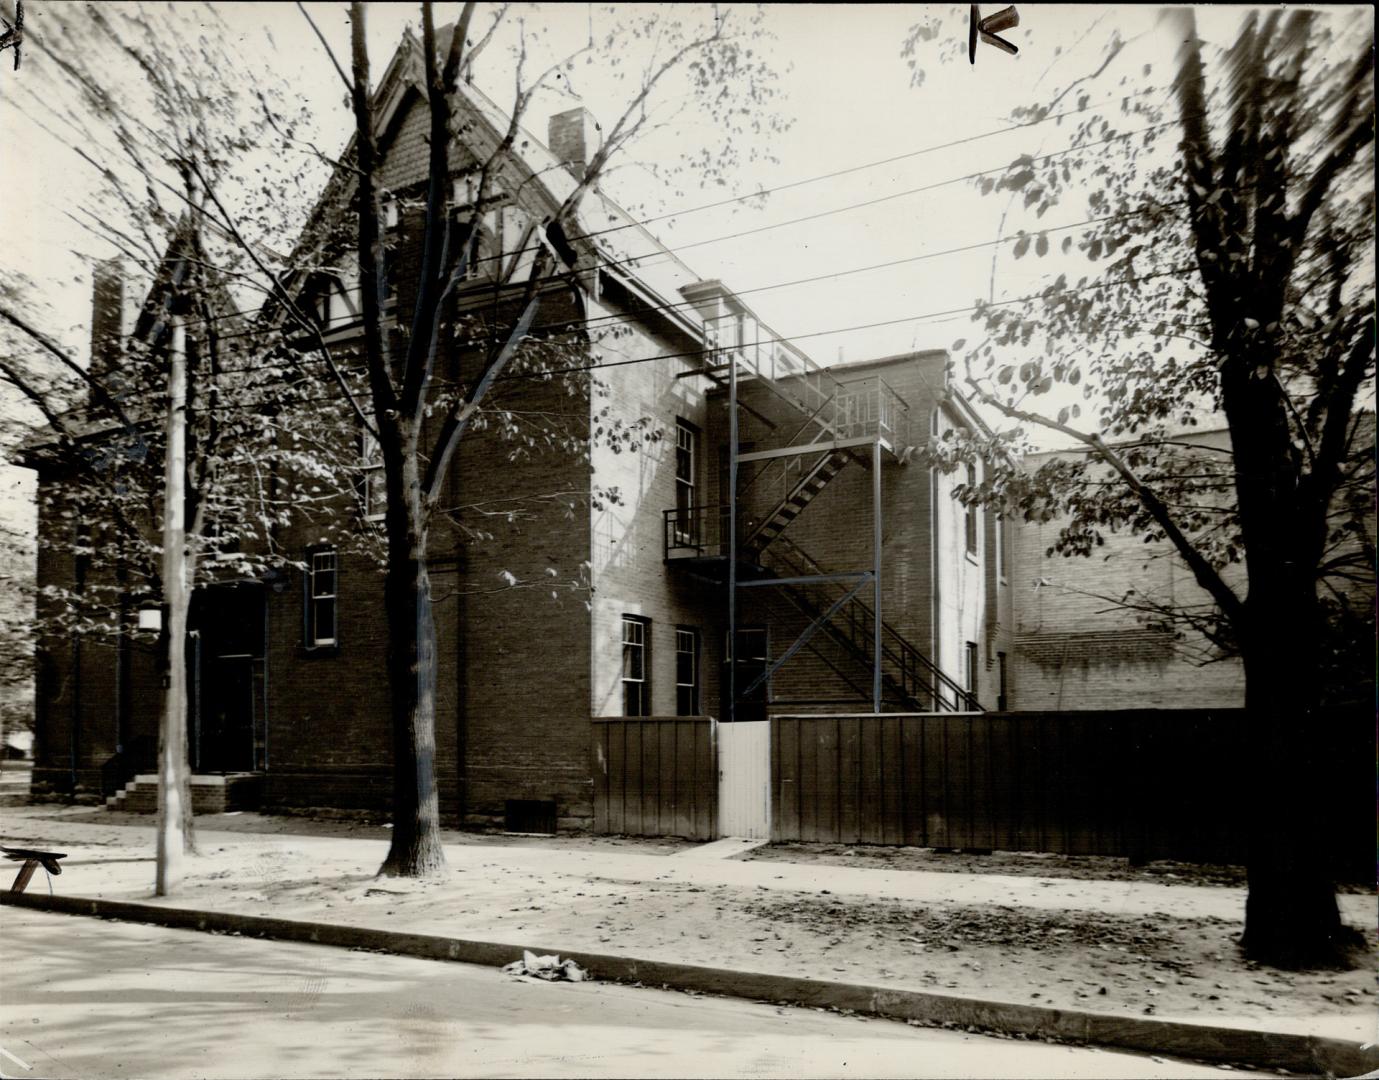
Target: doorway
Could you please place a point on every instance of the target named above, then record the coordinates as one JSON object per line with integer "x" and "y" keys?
{"x": 229, "y": 679}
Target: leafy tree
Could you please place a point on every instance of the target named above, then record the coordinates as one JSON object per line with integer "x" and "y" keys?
{"x": 137, "y": 106}
{"x": 416, "y": 385}
{"x": 1231, "y": 232}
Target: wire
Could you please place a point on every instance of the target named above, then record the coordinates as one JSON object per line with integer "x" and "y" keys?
{"x": 548, "y": 373}
{"x": 662, "y": 254}
{"x": 616, "y": 319}
{"x": 859, "y": 168}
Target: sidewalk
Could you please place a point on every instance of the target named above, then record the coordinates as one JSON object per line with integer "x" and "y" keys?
{"x": 1123, "y": 948}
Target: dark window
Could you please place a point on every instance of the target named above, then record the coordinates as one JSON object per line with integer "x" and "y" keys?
{"x": 973, "y": 517}
{"x": 752, "y": 654}
{"x": 686, "y": 671}
{"x": 1001, "y": 701}
{"x": 529, "y": 816}
{"x": 636, "y": 682}
{"x": 321, "y": 598}
{"x": 970, "y": 651}
{"x": 1000, "y": 547}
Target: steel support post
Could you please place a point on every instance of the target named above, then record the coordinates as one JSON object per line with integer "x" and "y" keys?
{"x": 876, "y": 575}
{"x": 732, "y": 537}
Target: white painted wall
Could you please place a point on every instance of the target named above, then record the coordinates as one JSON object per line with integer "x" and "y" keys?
{"x": 626, "y": 569}
{"x": 960, "y": 576}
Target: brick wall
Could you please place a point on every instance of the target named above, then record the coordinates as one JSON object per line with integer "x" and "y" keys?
{"x": 835, "y": 529}
{"x": 95, "y": 692}
{"x": 1076, "y": 648}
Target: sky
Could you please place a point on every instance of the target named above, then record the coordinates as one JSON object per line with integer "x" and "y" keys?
{"x": 844, "y": 85}
{"x": 846, "y": 89}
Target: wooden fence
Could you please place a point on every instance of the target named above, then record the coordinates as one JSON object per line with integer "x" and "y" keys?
{"x": 1143, "y": 783}
{"x": 655, "y": 776}
{"x": 1148, "y": 784}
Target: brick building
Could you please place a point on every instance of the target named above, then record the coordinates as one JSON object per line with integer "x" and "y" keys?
{"x": 853, "y": 579}
{"x": 289, "y": 687}
{"x": 1075, "y": 647}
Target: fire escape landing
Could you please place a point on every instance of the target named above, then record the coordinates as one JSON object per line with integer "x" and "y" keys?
{"x": 860, "y": 421}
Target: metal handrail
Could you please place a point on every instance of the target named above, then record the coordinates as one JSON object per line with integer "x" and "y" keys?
{"x": 901, "y": 652}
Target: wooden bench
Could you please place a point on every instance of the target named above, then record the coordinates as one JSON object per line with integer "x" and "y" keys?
{"x": 32, "y": 860}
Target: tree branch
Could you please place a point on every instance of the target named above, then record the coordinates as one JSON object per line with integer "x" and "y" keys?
{"x": 52, "y": 347}
{"x": 326, "y": 46}
{"x": 1205, "y": 575}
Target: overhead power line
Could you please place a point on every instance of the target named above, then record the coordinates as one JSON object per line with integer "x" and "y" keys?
{"x": 605, "y": 321}
{"x": 636, "y": 262}
{"x": 547, "y": 373}
{"x": 662, "y": 254}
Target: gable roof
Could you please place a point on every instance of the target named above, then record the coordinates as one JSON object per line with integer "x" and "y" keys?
{"x": 626, "y": 248}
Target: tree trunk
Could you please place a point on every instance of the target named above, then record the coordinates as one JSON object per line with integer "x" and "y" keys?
{"x": 1291, "y": 916}
{"x": 416, "y": 846}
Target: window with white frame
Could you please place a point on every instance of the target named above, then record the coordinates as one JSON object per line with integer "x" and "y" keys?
{"x": 321, "y": 580}
{"x": 334, "y": 302}
{"x": 686, "y": 465}
{"x": 636, "y": 681}
{"x": 686, "y": 671}
{"x": 373, "y": 486}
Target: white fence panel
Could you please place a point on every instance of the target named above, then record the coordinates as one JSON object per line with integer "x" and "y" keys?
{"x": 744, "y": 779}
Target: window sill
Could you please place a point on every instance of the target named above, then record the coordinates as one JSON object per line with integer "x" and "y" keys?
{"x": 972, "y": 558}
{"x": 317, "y": 652}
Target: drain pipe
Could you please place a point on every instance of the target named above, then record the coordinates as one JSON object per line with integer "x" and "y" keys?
{"x": 935, "y": 576}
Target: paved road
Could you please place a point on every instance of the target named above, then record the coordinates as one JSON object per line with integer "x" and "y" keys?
{"x": 85, "y": 998}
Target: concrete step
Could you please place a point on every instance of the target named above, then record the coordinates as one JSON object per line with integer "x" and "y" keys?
{"x": 210, "y": 794}
{"x": 14, "y": 783}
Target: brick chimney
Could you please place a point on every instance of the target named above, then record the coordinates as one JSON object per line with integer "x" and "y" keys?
{"x": 574, "y": 138}
{"x": 108, "y": 321}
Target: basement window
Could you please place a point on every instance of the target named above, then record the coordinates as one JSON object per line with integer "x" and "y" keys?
{"x": 529, "y": 816}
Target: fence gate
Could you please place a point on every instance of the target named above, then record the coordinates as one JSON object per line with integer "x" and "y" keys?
{"x": 744, "y": 779}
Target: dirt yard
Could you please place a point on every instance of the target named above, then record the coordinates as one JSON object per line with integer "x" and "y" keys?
{"x": 499, "y": 888}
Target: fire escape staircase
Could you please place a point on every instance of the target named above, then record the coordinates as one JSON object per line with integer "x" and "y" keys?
{"x": 909, "y": 677}
{"x": 838, "y": 413}
{"x": 804, "y": 492}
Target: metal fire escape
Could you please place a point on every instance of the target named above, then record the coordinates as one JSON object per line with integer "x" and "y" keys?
{"x": 843, "y": 422}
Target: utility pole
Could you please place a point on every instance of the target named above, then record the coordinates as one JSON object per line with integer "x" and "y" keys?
{"x": 174, "y": 788}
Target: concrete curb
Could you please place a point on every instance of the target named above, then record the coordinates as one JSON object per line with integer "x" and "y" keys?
{"x": 1310, "y": 1054}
